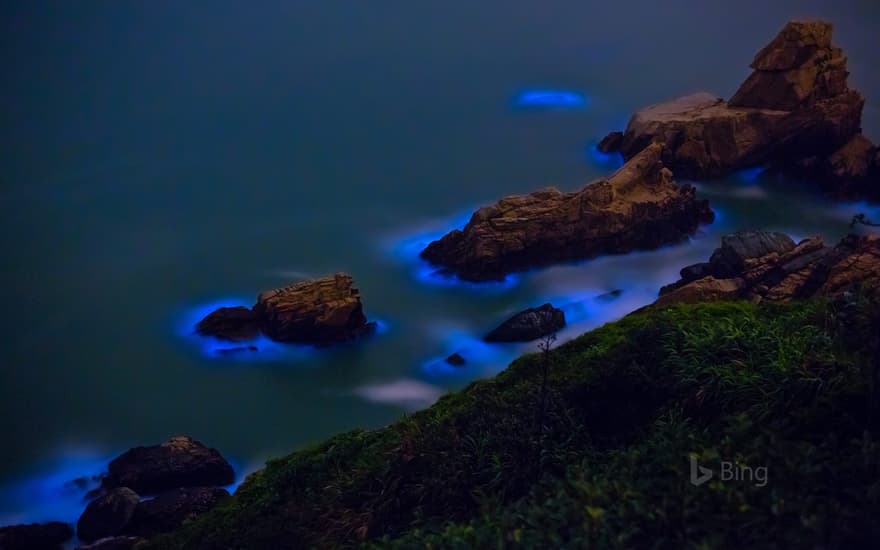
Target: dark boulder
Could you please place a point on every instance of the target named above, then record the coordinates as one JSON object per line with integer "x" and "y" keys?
{"x": 230, "y": 323}
{"x": 609, "y": 296}
{"x": 35, "y": 536}
{"x": 729, "y": 259}
{"x": 528, "y": 325}
{"x": 610, "y": 143}
{"x": 107, "y": 515}
{"x": 456, "y": 360}
{"x": 179, "y": 462}
{"x": 171, "y": 509}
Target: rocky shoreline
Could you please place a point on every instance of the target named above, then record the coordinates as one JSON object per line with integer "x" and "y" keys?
{"x": 639, "y": 207}
{"x": 795, "y": 113}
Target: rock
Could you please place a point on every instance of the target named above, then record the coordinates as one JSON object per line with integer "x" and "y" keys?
{"x": 36, "y": 536}
{"x": 849, "y": 172}
{"x": 608, "y": 296}
{"x": 171, "y": 509}
{"x": 638, "y": 207}
{"x": 319, "y": 311}
{"x": 113, "y": 543}
{"x": 610, "y": 143}
{"x": 730, "y": 258}
{"x": 237, "y": 350}
{"x": 456, "y": 360}
{"x": 795, "y": 111}
{"x": 179, "y": 462}
{"x": 528, "y": 325}
{"x": 808, "y": 269}
{"x": 230, "y": 323}
{"x": 107, "y": 515}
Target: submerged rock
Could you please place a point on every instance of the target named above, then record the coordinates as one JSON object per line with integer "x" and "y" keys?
{"x": 230, "y": 323}
{"x": 456, "y": 360}
{"x": 784, "y": 273}
{"x": 795, "y": 106}
{"x": 179, "y": 462}
{"x": 171, "y": 509}
{"x": 319, "y": 311}
{"x": 107, "y": 515}
{"x": 610, "y": 143}
{"x": 638, "y": 207}
{"x": 528, "y": 325}
{"x": 35, "y": 536}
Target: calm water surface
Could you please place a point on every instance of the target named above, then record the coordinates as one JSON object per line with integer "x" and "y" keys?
{"x": 161, "y": 159}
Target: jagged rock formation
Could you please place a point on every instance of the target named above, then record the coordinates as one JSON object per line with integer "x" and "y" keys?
{"x": 179, "y": 462}
{"x": 319, "y": 311}
{"x": 528, "y": 325}
{"x": 762, "y": 266}
{"x": 795, "y": 111}
{"x": 638, "y": 207}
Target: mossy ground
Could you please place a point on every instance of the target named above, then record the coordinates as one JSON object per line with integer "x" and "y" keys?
{"x": 782, "y": 387}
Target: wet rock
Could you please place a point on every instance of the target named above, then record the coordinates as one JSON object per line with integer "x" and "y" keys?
{"x": 638, "y": 207}
{"x": 456, "y": 360}
{"x": 107, "y": 515}
{"x": 113, "y": 543}
{"x": 237, "y": 350}
{"x": 795, "y": 111}
{"x": 319, "y": 311}
{"x": 179, "y": 462}
{"x": 730, "y": 258}
{"x": 610, "y": 143}
{"x": 528, "y": 325}
{"x": 35, "y": 536}
{"x": 171, "y": 509}
{"x": 808, "y": 269}
{"x": 230, "y": 323}
{"x": 609, "y": 296}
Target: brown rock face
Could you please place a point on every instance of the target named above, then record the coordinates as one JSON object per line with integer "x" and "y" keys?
{"x": 796, "y": 105}
{"x": 637, "y": 207}
{"x": 107, "y": 515}
{"x": 320, "y": 311}
{"x": 808, "y": 269}
{"x": 230, "y": 323}
{"x": 179, "y": 462}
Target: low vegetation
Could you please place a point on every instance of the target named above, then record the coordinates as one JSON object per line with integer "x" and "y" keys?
{"x": 600, "y": 456}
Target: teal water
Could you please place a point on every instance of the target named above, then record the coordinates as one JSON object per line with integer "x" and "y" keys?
{"x": 159, "y": 159}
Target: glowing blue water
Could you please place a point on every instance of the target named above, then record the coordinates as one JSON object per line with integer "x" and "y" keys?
{"x": 548, "y": 98}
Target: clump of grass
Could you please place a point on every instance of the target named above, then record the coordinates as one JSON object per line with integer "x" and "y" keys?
{"x": 622, "y": 410}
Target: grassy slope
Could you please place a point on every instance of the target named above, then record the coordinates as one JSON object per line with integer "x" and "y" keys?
{"x": 779, "y": 386}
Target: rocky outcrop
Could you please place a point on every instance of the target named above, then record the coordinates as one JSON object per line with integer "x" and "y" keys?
{"x": 795, "y": 106}
{"x": 852, "y": 171}
{"x": 638, "y": 207}
{"x": 319, "y": 311}
{"x": 179, "y": 462}
{"x": 456, "y": 360}
{"x": 230, "y": 323}
{"x": 107, "y": 515}
{"x": 770, "y": 268}
{"x": 171, "y": 509}
{"x": 528, "y": 325}
{"x": 610, "y": 143}
{"x": 36, "y": 536}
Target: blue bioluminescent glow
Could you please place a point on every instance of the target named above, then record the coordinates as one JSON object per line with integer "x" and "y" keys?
{"x": 547, "y": 98}
{"x": 606, "y": 161}
{"x": 215, "y": 348}
{"x": 56, "y": 492}
{"x": 481, "y": 358}
{"x": 407, "y": 247}
{"x": 751, "y": 174}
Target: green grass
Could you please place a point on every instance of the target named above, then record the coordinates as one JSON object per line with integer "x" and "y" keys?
{"x": 785, "y": 387}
